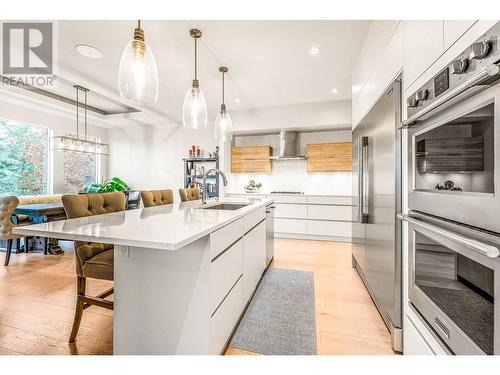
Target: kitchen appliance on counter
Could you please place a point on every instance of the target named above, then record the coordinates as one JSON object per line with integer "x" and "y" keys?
{"x": 454, "y": 173}
{"x": 269, "y": 233}
{"x": 376, "y": 231}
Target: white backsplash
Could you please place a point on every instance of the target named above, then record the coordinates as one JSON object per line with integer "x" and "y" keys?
{"x": 292, "y": 175}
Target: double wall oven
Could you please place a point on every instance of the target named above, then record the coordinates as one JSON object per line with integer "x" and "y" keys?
{"x": 454, "y": 199}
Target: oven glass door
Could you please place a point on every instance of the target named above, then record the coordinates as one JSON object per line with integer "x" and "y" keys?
{"x": 454, "y": 289}
{"x": 455, "y": 162}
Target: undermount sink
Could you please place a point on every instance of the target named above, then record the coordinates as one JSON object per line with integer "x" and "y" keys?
{"x": 225, "y": 206}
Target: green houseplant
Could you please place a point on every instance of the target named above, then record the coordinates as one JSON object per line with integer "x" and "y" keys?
{"x": 113, "y": 184}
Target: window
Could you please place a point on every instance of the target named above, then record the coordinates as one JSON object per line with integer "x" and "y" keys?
{"x": 80, "y": 170}
{"x": 23, "y": 159}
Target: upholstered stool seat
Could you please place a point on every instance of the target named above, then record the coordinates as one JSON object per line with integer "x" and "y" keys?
{"x": 157, "y": 197}
{"x": 190, "y": 194}
{"x": 93, "y": 260}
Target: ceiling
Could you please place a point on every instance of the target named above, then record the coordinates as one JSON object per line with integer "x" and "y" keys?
{"x": 269, "y": 62}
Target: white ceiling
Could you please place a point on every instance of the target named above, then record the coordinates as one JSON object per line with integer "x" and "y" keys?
{"x": 268, "y": 61}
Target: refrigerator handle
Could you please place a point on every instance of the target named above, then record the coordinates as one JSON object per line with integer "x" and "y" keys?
{"x": 364, "y": 193}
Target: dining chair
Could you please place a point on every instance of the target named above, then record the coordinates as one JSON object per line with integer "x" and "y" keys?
{"x": 190, "y": 194}
{"x": 157, "y": 197}
{"x": 7, "y": 206}
{"x": 92, "y": 260}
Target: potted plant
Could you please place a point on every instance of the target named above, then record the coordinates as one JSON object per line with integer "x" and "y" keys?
{"x": 113, "y": 184}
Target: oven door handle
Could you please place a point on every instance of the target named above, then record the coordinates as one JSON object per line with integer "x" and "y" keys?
{"x": 475, "y": 80}
{"x": 477, "y": 246}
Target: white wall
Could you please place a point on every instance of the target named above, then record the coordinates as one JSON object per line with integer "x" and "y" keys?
{"x": 150, "y": 157}
{"x": 335, "y": 114}
{"x": 58, "y": 122}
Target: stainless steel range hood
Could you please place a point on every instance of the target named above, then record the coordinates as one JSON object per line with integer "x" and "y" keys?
{"x": 289, "y": 147}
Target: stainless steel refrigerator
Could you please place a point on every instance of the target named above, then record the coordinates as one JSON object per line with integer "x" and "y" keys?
{"x": 376, "y": 231}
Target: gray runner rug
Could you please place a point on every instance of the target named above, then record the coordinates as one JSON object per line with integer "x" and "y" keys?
{"x": 281, "y": 316}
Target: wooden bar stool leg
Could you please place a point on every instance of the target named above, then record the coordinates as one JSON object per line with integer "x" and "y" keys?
{"x": 7, "y": 253}
{"x": 18, "y": 245}
{"x": 80, "y": 304}
{"x": 45, "y": 246}
{"x": 26, "y": 244}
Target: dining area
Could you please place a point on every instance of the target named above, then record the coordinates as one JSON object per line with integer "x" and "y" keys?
{"x": 49, "y": 289}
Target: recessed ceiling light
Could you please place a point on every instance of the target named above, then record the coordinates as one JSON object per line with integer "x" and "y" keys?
{"x": 335, "y": 90}
{"x": 89, "y": 51}
{"x": 237, "y": 100}
{"x": 314, "y": 50}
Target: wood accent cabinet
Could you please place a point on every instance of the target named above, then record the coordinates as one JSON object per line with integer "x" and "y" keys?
{"x": 329, "y": 157}
{"x": 251, "y": 159}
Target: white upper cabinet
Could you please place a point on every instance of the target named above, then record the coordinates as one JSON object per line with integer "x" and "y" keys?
{"x": 454, "y": 29}
{"x": 423, "y": 45}
{"x": 389, "y": 65}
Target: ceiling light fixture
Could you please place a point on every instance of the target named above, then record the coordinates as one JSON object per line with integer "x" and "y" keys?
{"x": 223, "y": 123}
{"x": 314, "y": 50}
{"x": 237, "y": 100}
{"x": 335, "y": 90}
{"x": 194, "y": 110}
{"x": 138, "y": 74}
{"x": 75, "y": 142}
{"x": 89, "y": 51}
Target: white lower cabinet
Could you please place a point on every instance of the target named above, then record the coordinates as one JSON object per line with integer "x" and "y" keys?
{"x": 254, "y": 258}
{"x": 286, "y": 210}
{"x": 225, "y": 318}
{"x": 413, "y": 342}
{"x": 336, "y": 213}
{"x": 329, "y": 228}
{"x": 292, "y": 226}
{"x": 225, "y": 270}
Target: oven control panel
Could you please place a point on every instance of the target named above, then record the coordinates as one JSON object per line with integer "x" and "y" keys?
{"x": 482, "y": 53}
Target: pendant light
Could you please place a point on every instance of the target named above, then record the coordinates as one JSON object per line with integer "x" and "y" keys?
{"x": 194, "y": 111}
{"x": 223, "y": 123}
{"x": 76, "y": 142}
{"x": 138, "y": 74}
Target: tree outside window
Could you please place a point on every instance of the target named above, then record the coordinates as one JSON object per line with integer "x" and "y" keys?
{"x": 23, "y": 159}
{"x": 80, "y": 170}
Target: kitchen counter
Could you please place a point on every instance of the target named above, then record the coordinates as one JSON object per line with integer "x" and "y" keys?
{"x": 289, "y": 194}
{"x": 167, "y": 227}
{"x": 183, "y": 275}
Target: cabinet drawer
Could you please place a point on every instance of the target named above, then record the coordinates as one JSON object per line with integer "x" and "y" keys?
{"x": 338, "y": 213}
{"x": 341, "y": 201}
{"x": 254, "y": 259}
{"x": 329, "y": 228}
{"x": 289, "y": 198}
{"x": 221, "y": 239}
{"x": 296, "y": 226}
{"x": 287, "y": 210}
{"x": 224, "y": 272}
{"x": 225, "y": 318}
{"x": 254, "y": 218}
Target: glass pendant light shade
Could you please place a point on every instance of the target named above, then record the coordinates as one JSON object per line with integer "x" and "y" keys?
{"x": 223, "y": 127}
{"x": 194, "y": 111}
{"x": 138, "y": 73}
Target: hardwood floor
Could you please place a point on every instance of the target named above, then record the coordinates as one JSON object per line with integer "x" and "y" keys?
{"x": 37, "y": 299}
{"x": 347, "y": 321}
{"x": 37, "y": 302}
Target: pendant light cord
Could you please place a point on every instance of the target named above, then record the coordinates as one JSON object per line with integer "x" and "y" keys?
{"x": 223, "y": 74}
{"x": 195, "y": 58}
{"x": 77, "y": 114}
{"x": 85, "y": 115}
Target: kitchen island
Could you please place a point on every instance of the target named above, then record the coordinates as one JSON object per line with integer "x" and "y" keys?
{"x": 183, "y": 273}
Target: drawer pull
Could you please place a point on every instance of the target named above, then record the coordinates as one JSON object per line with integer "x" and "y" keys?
{"x": 442, "y": 327}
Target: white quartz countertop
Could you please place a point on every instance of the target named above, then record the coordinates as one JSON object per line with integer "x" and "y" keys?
{"x": 260, "y": 194}
{"x": 167, "y": 227}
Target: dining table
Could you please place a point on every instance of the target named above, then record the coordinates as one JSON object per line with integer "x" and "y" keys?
{"x": 38, "y": 213}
